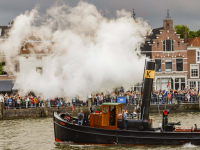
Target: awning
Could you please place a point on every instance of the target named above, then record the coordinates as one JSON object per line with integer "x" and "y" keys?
{"x": 6, "y": 85}
{"x": 15, "y": 87}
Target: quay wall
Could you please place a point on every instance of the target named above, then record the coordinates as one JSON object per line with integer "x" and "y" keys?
{"x": 48, "y": 112}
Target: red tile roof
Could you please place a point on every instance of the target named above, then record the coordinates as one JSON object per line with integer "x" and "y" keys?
{"x": 34, "y": 47}
{"x": 194, "y": 41}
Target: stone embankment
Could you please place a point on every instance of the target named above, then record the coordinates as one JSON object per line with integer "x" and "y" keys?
{"x": 48, "y": 112}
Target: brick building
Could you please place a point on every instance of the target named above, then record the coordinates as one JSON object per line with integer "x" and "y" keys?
{"x": 170, "y": 54}
{"x": 193, "y": 62}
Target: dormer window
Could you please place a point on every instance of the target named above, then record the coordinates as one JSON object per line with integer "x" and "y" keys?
{"x": 168, "y": 45}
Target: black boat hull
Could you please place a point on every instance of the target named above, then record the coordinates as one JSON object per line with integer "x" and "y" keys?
{"x": 67, "y": 132}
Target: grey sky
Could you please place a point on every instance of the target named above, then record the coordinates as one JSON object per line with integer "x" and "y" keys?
{"x": 153, "y": 11}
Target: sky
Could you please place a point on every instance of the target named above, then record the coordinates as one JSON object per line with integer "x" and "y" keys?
{"x": 184, "y": 12}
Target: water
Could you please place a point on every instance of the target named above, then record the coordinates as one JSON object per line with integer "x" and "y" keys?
{"x": 38, "y": 134}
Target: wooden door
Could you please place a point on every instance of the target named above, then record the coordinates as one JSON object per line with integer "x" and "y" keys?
{"x": 105, "y": 116}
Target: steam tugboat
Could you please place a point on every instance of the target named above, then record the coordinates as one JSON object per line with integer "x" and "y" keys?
{"x": 106, "y": 128}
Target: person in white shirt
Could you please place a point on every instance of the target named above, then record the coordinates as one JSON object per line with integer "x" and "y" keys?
{"x": 1, "y": 98}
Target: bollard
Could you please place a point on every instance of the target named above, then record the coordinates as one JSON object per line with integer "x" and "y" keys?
{"x": 89, "y": 103}
{"x": 46, "y": 109}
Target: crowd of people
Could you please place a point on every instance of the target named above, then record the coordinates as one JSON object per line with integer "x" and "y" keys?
{"x": 31, "y": 100}
{"x": 132, "y": 97}
{"x": 182, "y": 95}
{"x": 15, "y": 101}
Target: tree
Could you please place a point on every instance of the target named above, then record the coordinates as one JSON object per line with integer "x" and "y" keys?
{"x": 1, "y": 68}
{"x": 198, "y": 33}
{"x": 180, "y": 29}
{"x": 192, "y": 34}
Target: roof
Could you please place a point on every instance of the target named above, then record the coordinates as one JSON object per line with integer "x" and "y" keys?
{"x": 6, "y": 85}
{"x": 154, "y": 32}
{"x": 194, "y": 41}
{"x": 149, "y": 40}
{"x": 35, "y": 47}
{"x": 111, "y": 104}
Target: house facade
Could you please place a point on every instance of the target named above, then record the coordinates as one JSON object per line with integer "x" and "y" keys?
{"x": 193, "y": 48}
{"x": 169, "y": 52}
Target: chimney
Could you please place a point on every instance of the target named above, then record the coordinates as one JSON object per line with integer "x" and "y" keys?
{"x": 185, "y": 36}
{"x": 147, "y": 89}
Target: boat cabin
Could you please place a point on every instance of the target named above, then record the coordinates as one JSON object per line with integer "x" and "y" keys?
{"x": 108, "y": 118}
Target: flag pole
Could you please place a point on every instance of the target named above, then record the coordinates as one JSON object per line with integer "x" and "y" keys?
{"x": 167, "y": 94}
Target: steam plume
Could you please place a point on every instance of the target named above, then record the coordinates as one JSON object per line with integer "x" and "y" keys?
{"x": 87, "y": 52}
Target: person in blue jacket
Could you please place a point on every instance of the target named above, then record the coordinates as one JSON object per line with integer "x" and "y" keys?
{"x": 9, "y": 102}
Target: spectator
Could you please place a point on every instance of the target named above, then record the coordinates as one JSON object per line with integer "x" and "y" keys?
{"x": 10, "y": 103}
{"x": 80, "y": 118}
{"x": 124, "y": 118}
{"x": 27, "y": 101}
{"x": 169, "y": 98}
{"x": 18, "y": 102}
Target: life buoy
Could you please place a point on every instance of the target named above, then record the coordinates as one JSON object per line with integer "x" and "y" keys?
{"x": 67, "y": 118}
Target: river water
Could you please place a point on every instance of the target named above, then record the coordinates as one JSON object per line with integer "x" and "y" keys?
{"x": 38, "y": 134}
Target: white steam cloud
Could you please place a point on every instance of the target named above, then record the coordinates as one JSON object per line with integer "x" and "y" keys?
{"x": 87, "y": 52}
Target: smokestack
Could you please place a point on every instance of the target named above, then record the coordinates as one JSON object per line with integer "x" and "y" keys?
{"x": 185, "y": 36}
{"x": 148, "y": 82}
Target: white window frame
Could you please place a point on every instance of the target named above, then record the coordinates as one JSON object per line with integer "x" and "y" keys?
{"x": 191, "y": 70}
{"x": 197, "y": 51}
{"x": 39, "y": 70}
{"x": 168, "y": 60}
{"x": 193, "y": 82}
{"x": 172, "y": 45}
{"x": 183, "y": 64}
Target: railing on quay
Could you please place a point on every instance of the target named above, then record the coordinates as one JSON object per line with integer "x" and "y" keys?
{"x": 25, "y": 105}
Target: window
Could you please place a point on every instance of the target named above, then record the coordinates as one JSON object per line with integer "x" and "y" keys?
{"x": 179, "y": 83}
{"x": 198, "y": 56}
{"x": 2, "y": 65}
{"x": 119, "y": 109}
{"x": 39, "y": 70}
{"x": 168, "y": 65}
{"x": 158, "y": 65}
{"x": 192, "y": 83}
{"x": 168, "y": 45}
{"x": 105, "y": 109}
{"x": 194, "y": 70}
{"x": 179, "y": 64}
{"x": 198, "y": 84}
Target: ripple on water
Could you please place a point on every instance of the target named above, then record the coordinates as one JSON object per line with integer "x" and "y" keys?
{"x": 38, "y": 134}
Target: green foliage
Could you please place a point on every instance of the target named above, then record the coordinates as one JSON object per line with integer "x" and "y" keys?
{"x": 180, "y": 29}
{"x": 192, "y": 34}
{"x": 198, "y": 32}
{"x": 1, "y": 68}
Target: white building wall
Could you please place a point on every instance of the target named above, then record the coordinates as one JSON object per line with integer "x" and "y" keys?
{"x": 29, "y": 63}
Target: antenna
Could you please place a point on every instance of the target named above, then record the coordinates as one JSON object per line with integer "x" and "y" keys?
{"x": 168, "y": 17}
{"x": 134, "y": 14}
